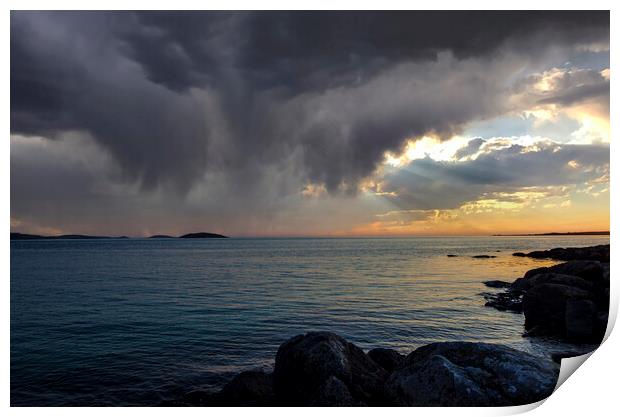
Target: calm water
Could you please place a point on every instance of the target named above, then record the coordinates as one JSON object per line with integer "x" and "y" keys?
{"x": 134, "y": 322}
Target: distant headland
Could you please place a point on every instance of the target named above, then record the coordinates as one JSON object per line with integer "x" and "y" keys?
{"x": 598, "y": 233}
{"x": 200, "y": 235}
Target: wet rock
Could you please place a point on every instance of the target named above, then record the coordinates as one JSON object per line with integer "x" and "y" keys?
{"x": 536, "y": 331}
{"x": 497, "y": 284}
{"x": 451, "y": 255}
{"x": 437, "y": 382}
{"x": 470, "y": 374}
{"x": 545, "y": 306}
{"x": 580, "y": 321}
{"x": 334, "y": 393}
{"x": 249, "y": 388}
{"x": 388, "y": 359}
{"x": 593, "y": 253}
{"x": 605, "y": 278}
{"x": 306, "y": 362}
{"x": 521, "y": 254}
{"x": 504, "y": 301}
{"x": 484, "y": 256}
{"x": 591, "y": 271}
{"x": 559, "y": 355}
{"x": 601, "y": 324}
{"x": 532, "y": 280}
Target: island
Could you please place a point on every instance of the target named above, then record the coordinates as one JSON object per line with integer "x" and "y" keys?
{"x": 596, "y": 233}
{"x": 202, "y": 235}
{"x": 25, "y": 236}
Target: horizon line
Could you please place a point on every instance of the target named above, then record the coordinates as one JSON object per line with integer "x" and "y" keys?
{"x": 336, "y": 236}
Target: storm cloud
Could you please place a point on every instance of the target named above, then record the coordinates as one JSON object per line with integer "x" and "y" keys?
{"x": 158, "y": 90}
{"x": 205, "y": 114}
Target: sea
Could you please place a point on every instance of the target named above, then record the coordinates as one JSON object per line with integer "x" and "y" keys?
{"x": 136, "y": 322}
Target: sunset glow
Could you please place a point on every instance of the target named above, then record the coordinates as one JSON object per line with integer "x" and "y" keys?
{"x": 514, "y": 141}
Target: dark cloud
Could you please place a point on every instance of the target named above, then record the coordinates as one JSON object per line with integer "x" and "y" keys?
{"x": 158, "y": 90}
{"x": 321, "y": 49}
{"x": 66, "y": 74}
{"x": 565, "y": 87}
{"x": 581, "y": 93}
{"x": 238, "y": 111}
{"x": 471, "y": 148}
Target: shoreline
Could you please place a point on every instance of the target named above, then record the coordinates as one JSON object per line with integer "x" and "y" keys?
{"x": 323, "y": 369}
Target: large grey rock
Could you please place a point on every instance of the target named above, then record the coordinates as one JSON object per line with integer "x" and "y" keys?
{"x": 306, "y": 362}
{"x": 545, "y": 306}
{"x": 470, "y": 374}
{"x": 389, "y": 359}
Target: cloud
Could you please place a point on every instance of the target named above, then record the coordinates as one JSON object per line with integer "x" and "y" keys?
{"x": 471, "y": 148}
{"x": 159, "y": 90}
{"x": 564, "y": 87}
{"x": 426, "y": 184}
{"x": 212, "y": 117}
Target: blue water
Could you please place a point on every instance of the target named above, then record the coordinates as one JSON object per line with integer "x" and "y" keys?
{"x": 135, "y": 322}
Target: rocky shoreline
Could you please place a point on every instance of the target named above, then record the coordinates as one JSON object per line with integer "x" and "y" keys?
{"x": 569, "y": 301}
{"x": 323, "y": 369}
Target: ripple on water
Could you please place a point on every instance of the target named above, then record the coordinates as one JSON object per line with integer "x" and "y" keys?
{"x": 138, "y": 321}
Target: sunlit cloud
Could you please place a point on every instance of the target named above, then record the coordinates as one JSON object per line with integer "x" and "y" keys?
{"x": 216, "y": 130}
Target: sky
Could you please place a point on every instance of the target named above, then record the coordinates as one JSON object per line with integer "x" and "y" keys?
{"x": 309, "y": 123}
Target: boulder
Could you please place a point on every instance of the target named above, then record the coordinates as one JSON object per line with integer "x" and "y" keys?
{"x": 249, "y": 388}
{"x": 545, "y": 305}
{"x": 497, "y": 284}
{"x": 518, "y": 285}
{"x": 581, "y": 321}
{"x": 591, "y": 271}
{"x": 389, "y": 359}
{"x": 305, "y": 363}
{"x": 605, "y": 279}
{"x": 557, "y": 356}
{"x": 470, "y": 374}
{"x": 536, "y": 331}
{"x": 593, "y": 253}
{"x": 504, "y": 301}
{"x": 532, "y": 280}
{"x": 601, "y": 324}
{"x": 334, "y": 393}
